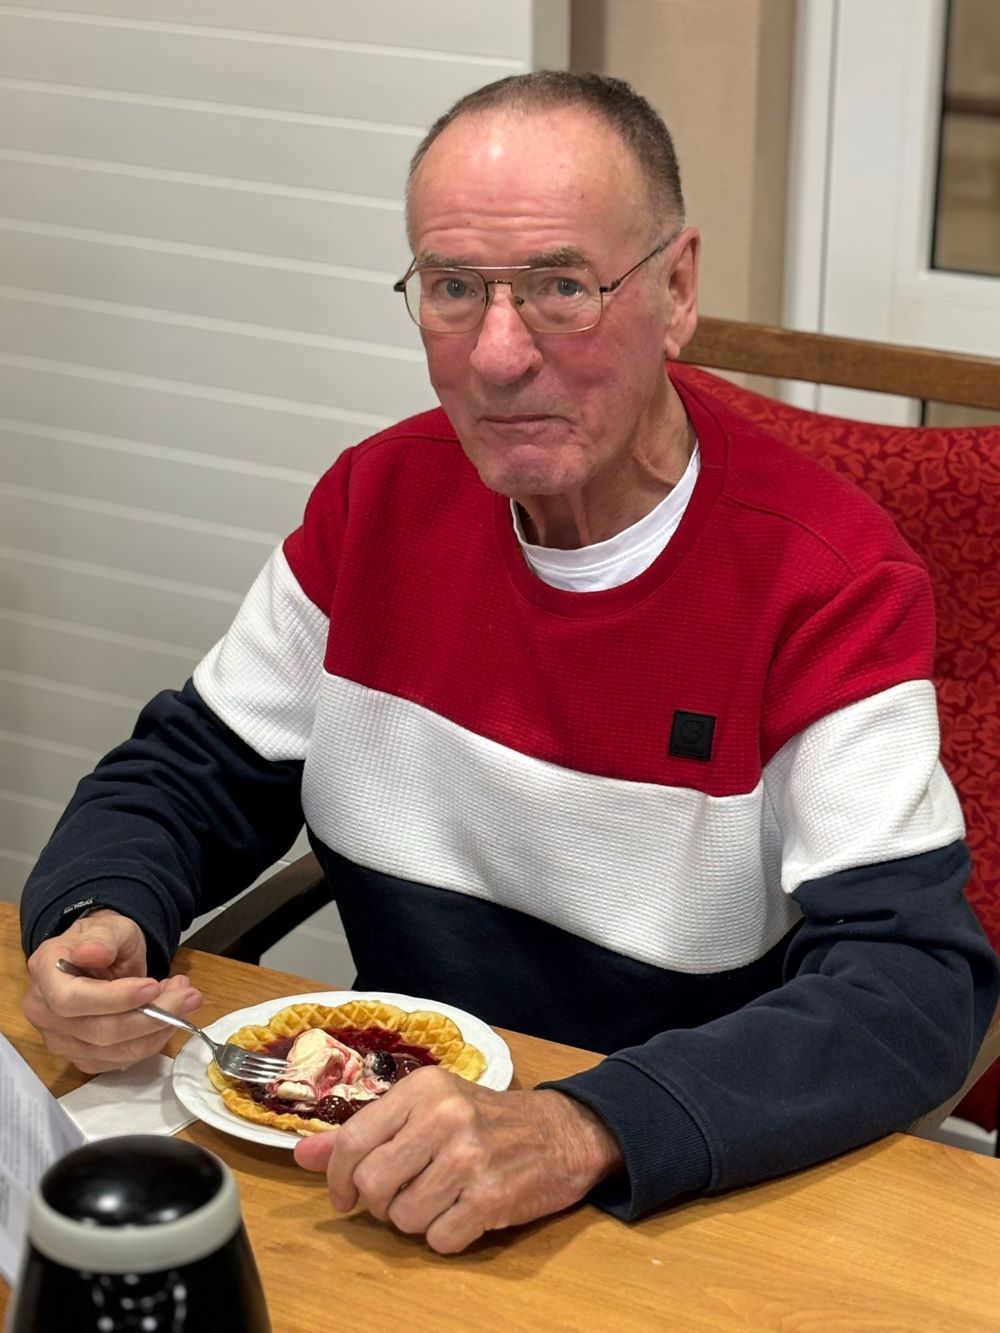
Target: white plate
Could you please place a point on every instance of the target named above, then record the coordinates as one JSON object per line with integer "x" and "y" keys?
{"x": 193, "y": 1088}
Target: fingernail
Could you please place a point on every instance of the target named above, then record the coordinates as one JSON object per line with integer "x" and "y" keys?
{"x": 148, "y": 992}
{"x": 192, "y": 1001}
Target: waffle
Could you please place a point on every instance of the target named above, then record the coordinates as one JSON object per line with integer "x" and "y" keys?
{"x": 423, "y": 1027}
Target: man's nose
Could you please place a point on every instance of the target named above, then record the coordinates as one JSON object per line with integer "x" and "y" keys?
{"x": 505, "y": 347}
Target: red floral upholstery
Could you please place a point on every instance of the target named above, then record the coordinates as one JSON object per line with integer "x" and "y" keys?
{"x": 942, "y": 487}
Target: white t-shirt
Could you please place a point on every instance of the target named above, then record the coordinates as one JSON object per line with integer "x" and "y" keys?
{"x": 622, "y": 557}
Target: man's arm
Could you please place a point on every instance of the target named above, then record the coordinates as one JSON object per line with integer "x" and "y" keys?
{"x": 175, "y": 821}
{"x": 890, "y": 986}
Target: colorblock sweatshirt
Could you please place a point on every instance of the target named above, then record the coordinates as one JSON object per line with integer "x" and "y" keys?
{"x": 696, "y": 822}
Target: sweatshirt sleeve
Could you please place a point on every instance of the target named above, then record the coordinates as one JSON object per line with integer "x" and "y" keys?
{"x": 170, "y": 824}
{"x": 889, "y": 987}
{"x": 206, "y": 794}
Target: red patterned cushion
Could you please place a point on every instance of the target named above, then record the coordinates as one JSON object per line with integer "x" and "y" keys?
{"x": 941, "y": 486}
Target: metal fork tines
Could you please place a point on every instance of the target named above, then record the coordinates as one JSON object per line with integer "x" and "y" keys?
{"x": 234, "y": 1061}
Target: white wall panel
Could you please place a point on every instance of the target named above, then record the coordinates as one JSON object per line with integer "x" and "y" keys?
{"x": 90, "y": 657}
{"x": 287, "y": 294}
{"x": 96, "y": 534}
{"x": 114, "y": 599}
{"x": 306, "y": 75}
{"x": 246, "y": 217}
{"x": 46, "y": 770}
{"x": 151, "y": 413}
{"x": 207, "y": 139}
{"x": 44, "y": 709}
{"x": 244, "y": 505}
{"x": 460, "y": 26}
{"x": 14, "y": 867}
{"x": 200, "y": 221}
{"x": 253, "y": 359}
{"x": 25, "y": 821}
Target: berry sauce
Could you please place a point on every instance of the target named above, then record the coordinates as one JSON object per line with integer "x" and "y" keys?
{"x": 405, "y": 1058}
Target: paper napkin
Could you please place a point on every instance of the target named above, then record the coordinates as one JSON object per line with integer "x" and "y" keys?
{"x": 138, "y": 1100}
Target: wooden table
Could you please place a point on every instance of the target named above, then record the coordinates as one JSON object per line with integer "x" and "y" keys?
{"x": 903, "y": 1235}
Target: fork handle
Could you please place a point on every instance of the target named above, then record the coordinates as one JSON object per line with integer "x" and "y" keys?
{"x": 175, "y": 1021}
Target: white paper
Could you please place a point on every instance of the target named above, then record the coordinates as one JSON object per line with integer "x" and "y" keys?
{"x": 34, "y": 1132}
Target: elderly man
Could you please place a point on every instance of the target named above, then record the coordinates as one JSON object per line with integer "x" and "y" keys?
{"x": 609, "y": 717}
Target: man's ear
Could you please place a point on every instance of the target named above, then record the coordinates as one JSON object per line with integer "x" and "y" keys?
{"x": 682, "y": 292}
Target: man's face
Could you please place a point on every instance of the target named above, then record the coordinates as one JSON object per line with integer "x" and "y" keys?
{"x": 547, "y": 415}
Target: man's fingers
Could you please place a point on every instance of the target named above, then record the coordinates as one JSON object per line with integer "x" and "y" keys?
{"x": 313, "y": 1153}
{"x": 114, "y": 1041}
{"x": 91, "y": 1058}
{"x": 455, "y": 1228}
{"x": 388, "y": 1172}
{"x": 98, "y": 947}
{"x": 366, "y": 1131}
{"x": 77, "y": 997}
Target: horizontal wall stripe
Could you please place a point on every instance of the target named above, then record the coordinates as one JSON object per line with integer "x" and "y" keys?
{"x": 26, "y": 823}
{"x": 74, "y": 753}
{"x": 85, "y": 657}
{"x": 146, "y": 173}
{"x": 44, "y": 769}
{"x": 158, "y": 519}
{"x": 206, "y": 218}
{"x": 351, "y": 83}
{"x": 146, "y": 582}
{"x": 209, "y": 141}
{"x": 243, "y": 499}
{"x": 149, "y": 314}
{"x": 37, "y": 708}
{"x": 14, "y": 868}
{"x": 82, "y": 440}
{"x": 61, "y": 590}
{"x": 161, "y": 247}
{"x": 98, "y": 387}
{"x": 16, "y": 679}
{"x": 116, "y": 98}
{"x": 279, "y": 366}
{"x": 162, "y": 27}
{"x": 97, "y": 536}
{"x": 453, "y": 25}
{"x": 361, "y": 309}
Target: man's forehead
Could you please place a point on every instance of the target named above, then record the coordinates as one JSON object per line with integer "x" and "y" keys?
{"x": 562, "y": 256}
{"x": 547, "y": 164}
{"x": 541, "y": 131}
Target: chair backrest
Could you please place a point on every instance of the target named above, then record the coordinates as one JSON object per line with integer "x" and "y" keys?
{"x": 941, "y": 485}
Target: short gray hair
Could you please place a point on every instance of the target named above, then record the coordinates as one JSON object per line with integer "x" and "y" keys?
{"x": 614, "y": 101}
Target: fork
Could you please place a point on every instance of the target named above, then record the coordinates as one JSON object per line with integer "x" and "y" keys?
{"x": 233, "y": 1061}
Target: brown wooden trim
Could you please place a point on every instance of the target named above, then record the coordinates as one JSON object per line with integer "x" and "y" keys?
{"x": 970, "y": 104}
{"x": 266, "y": 914}
{"x": 913, "y": 372}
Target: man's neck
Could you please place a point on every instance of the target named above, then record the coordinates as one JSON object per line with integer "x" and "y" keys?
{"x": 576, "y": 519}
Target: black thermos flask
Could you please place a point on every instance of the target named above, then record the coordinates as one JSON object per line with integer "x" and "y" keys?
{"x": 142, "y": 1233}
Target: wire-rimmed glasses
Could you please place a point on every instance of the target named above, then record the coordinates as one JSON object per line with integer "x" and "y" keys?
{"x": 550, "y": 300}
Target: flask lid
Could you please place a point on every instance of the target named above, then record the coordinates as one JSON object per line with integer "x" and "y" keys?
{"x": 135, "y": 1203}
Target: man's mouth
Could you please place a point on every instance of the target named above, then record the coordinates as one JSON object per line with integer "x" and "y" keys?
{"x": 516, "y": 418}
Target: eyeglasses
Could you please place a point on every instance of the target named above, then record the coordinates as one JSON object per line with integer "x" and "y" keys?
{"x": 549, "y": 300}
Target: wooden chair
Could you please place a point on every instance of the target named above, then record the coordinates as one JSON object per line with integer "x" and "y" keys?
{"x": 941, "y": 486}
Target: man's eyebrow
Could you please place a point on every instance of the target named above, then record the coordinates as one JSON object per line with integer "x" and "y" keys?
{"x": 566, "y": 256}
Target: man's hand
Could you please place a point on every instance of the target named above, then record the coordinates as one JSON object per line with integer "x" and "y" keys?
{"x": 442, "y": 1156}
{"x": 92, "y": 1022}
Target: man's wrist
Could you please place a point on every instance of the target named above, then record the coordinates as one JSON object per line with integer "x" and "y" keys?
{"x": 76, "y": 911}
{"x": 594, "y": 1151}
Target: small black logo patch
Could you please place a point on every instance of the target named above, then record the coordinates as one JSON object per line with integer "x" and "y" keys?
{"x": 691, "y": 735}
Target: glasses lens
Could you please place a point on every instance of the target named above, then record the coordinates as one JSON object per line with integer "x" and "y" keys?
{"x": 446, "y": 300}
{"x": 558, "y": 300}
